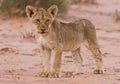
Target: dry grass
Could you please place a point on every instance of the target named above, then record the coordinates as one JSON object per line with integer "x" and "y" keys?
{"x": 83, "y": 1}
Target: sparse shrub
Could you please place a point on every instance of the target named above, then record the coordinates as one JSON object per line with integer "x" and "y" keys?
{"x": 11, "y": 7}
{"x": 117, "y": 15}
{"x": 62, "y": 4}
{"x": 17, "y": 7}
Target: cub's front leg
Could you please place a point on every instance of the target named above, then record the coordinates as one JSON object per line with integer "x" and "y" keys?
{"x": 45, "y": 58}
{"x": 55, "y": 70}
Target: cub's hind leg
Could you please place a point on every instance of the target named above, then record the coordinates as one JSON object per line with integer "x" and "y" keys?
{"x": 45, "y": 58}
{"x": 75, "y": 59}
{"x": 91, "y": 43}
{"x": 93, "y": 47}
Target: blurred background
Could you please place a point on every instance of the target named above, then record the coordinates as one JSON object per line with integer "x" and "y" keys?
{"x": 68, "y": 9}
{"x": 19, "y": 52}
{"x": 16, "y": 7}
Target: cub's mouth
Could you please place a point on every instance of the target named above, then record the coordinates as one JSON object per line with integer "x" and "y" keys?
{"x": 42, "y": 32}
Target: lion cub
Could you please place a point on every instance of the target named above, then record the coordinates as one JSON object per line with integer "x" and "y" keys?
{"x": 55, "y": 36}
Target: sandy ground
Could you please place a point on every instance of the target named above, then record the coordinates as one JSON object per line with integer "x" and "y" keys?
{"x": 19, "y": 55}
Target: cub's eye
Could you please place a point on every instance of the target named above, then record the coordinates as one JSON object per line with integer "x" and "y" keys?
{"x": 47, "y": 21}
{"x": 37, "y": 21}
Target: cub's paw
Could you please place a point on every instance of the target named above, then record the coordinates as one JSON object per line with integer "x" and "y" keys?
{"x": 68, "y": 74}
{"x": 98, "y": 71}
{"x": 43, "y": 74}
{"x": 55, "y": 75}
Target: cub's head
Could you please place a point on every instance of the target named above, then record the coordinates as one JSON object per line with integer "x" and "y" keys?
{"x": 42, "y": 18}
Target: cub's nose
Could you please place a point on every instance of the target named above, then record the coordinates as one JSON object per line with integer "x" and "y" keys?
{"x": 42, "y": 30}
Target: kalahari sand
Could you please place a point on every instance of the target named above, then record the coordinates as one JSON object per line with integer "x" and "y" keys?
{"x": 20, "y": 62}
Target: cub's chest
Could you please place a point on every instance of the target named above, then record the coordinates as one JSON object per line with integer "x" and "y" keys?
{"x": 43, "y": 41}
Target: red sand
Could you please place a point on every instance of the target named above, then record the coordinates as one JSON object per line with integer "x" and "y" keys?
{"x": 19, "y": 57}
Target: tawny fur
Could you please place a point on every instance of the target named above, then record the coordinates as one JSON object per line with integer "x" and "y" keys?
{"x": 57, "y": 36}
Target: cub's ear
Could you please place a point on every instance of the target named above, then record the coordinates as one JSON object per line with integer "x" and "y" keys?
{"x": 53, "y": 10}
{"x": 30, "y": 11}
